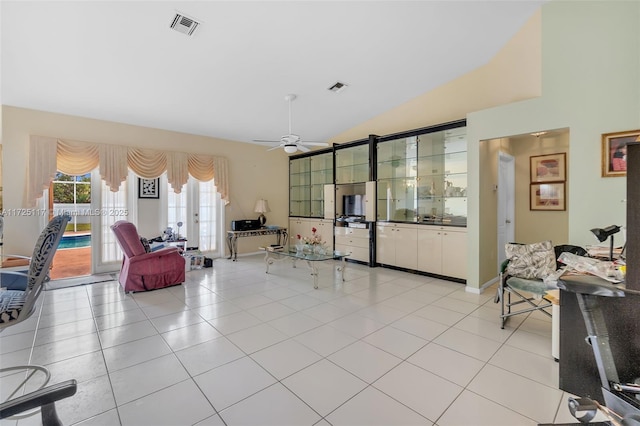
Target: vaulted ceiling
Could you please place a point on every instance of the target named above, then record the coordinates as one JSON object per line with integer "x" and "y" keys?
{"x": 120, "y": 60}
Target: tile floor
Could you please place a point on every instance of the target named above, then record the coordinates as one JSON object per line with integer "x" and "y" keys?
{"x": 236, "y": 346}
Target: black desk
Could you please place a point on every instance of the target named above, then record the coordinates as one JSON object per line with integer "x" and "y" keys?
{"x": 232, "y": 238}
{"x": 578, "y": 371}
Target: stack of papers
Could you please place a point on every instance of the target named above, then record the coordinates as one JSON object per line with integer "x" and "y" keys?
{"x": 603, "y": 252}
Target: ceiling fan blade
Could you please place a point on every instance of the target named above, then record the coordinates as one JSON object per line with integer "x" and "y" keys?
{"x": 265, "y": 141}
{"x": 314, "y": 143}
{"x": 303, "y": 148}
{"x": 274, "y": 147}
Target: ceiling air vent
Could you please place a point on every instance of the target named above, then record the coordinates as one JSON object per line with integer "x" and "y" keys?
{"x": 184, "y": 25}
{"x": 337, "y": 87}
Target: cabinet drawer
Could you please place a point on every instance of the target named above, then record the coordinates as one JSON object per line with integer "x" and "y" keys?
{"x": 357, "y": 253}
{"x": 342, "y": 239}
{"x": 359, "y": 242}
{"x": 351, "y": 241}
{"x": 359, "y": 232}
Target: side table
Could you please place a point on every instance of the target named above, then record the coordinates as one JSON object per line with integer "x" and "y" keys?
{"x": 232, "y": 238}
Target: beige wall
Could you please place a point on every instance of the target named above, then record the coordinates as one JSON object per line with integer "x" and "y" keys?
{"x": 535, "y": 225}
{"x": 513, "y": 74}
{"x": 253, "y": 172}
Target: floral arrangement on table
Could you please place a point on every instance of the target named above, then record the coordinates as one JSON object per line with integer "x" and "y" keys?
{"x": 314, "y": 241}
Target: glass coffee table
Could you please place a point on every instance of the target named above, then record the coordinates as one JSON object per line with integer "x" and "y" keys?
{"x": 312, "y": 259}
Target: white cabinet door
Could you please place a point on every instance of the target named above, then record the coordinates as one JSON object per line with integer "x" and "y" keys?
{"x": 370, "y": 201}
{"x": 454, "y": 254}
{"x": 430, "y": 250}
{"x": 324, "y": 228}
{"x": 330, "y": 202}
{"x": 296, "y": 227}
{"x": 397, "y": 245}
{"x": 385, "y": 244}
{"x": 406, "y": 245}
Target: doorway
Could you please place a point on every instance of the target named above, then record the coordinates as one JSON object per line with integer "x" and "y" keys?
{"x": 72, "y": 195}
{"x": 196, "y": 214}
{"x": 506, "y": 203}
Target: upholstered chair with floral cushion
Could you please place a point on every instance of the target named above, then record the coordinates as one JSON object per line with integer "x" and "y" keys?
{"x": 528, "y": 274}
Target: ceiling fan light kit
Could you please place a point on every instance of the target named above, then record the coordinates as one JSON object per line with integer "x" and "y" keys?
{"x": 290, "y": 142}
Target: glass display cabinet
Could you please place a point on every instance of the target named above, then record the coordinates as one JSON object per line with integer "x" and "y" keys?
{"x": 423, "y": 178}
{"x": 397, "y": 179}
{"x": 442, "y": 177}
{"x": 300, "y": 187}
{"x": 352, "y": 164}
{"x": 308, "y": 176}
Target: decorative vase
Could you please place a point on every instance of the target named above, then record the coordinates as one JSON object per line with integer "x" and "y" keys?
{"x": 299, "y": 248}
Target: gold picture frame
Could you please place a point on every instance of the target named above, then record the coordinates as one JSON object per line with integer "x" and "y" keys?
{"x": 547, "y": 196}
{"x": 614, "y": 152}
{"x": 548, "y": 168}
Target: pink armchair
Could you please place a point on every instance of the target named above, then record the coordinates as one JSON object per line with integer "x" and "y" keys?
{"x": 146, "y": 271}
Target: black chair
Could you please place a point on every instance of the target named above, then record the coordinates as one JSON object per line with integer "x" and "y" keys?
{"x": 19, "y": 304}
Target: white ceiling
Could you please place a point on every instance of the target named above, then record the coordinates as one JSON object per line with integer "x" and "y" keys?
{"x": 120, "y": 61}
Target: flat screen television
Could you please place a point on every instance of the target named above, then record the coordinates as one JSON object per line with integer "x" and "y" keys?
{"x": 353, "y": 205}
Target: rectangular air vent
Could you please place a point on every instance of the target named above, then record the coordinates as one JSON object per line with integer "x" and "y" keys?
{"x": 337, "y": 87}
{"x": 184, "y": 25}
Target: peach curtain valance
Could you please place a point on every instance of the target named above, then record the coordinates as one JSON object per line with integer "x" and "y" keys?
{"x": 47, "y": 155}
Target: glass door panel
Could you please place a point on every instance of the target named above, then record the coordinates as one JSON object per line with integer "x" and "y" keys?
{"x": 299, "y": 187}
{"x": 321, "y": 166}
{"x": 397, "y": 199}
{"x": 352, "y": 164}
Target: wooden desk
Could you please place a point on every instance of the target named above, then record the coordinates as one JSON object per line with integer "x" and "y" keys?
{"x": 232, "y": 238}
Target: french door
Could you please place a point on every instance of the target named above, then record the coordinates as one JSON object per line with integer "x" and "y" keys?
{"x": 199, "y": 212}
{"x": 107, "y": 208}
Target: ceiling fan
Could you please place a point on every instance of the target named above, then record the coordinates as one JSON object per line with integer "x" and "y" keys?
{"x": 291, "y": 142}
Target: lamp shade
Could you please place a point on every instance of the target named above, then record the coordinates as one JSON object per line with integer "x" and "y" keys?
{"x": 290, "y": 149}
{"x": 604, "y": 233}
{"x": 262, "y": 206}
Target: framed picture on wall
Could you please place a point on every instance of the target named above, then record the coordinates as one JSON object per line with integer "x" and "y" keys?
{"x": 148, "y": 188}
{"x": 548, "y": 168}
{"x": 547, "y": 196}
{"x": 614, "y": 152}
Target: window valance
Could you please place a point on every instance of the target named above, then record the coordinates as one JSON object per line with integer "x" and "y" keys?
{"x": 47, "y": 155}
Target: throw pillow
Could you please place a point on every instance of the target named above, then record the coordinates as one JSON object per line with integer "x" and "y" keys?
{"x": 530, "y": 261}
{"x": 145, "y": 244}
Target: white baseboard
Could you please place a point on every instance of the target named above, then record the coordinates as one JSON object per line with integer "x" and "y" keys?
{"x": 483, "y": 287}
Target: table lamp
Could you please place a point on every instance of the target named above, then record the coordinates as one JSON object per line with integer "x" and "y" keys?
{"x": 262, "y": 206}
{"x": 604, "y": 233}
